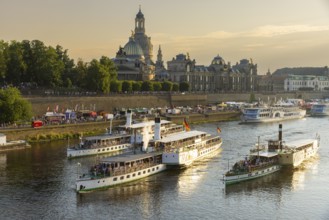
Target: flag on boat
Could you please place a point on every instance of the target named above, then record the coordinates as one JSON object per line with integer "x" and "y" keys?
{"x": 186, "y": 125}
{"x": 219, "y": 130}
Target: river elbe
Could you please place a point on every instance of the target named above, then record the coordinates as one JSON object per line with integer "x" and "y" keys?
{"x": 39, "y": 183}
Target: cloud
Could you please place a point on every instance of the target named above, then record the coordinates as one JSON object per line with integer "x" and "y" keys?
{"x": 276, "y": 30}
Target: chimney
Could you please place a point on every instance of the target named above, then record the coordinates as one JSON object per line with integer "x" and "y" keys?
{"x": 280, "y": 136}
{"x": 157, "y": 129}
{"x": 128, "y": 118}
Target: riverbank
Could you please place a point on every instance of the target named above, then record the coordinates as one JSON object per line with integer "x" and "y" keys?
{"x": 73, "y": 131}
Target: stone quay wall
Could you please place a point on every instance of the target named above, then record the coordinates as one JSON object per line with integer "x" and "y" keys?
{"x": 40, "y": 104}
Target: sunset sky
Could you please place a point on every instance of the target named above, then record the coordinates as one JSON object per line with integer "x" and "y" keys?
{"x": 275, "y": 34}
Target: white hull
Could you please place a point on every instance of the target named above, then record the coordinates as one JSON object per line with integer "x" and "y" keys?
{"x": 268, "y": 119}
{"x": 251, "y": 175}
{"x": 271, "y": 114}
{"x": 87, "y": 184}
{"x": 93, "y": 151}
{"x": 296, "y": 157}
{"x": 186, "y": 158}
{"x": 320, "y": 110}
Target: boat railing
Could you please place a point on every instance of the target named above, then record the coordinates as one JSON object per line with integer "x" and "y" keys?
{"x": 249, "y": 168}
{"x": 188, "y": 146}
{"x": 117, "y": 171}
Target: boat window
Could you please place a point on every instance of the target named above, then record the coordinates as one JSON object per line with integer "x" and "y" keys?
{"x": 144, "y": 172}
{"x": 153, "y": 169}
{"x": 107, "y": 149}
{"x": 121, "y": 178}
{"x": 99, "y": 150}
{"x": 134, "y": 174}
{"x": 139, "y": 173}
{"x": 148, "y": 170}
{"x": 128, "y": 176}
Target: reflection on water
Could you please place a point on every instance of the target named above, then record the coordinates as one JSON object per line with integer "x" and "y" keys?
{"x": 43, "y": 177}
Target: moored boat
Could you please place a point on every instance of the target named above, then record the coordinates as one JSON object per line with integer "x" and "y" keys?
{"x": 12, "y": 145}
{"x": 272, "y": 113}
{"x": 320, "y": 109}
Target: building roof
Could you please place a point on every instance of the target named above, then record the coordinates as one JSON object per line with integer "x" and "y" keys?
{"x": 133, "y": 48}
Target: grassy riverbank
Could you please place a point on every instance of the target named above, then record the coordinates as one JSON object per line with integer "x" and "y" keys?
{"x": 73, "y": 131}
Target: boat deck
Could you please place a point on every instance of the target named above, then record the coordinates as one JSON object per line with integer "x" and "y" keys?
{"x": 129, "y": 157}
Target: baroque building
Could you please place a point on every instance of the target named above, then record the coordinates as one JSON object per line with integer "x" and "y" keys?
{"x": 219, "y": 76}
{"x": 134, "y": 60}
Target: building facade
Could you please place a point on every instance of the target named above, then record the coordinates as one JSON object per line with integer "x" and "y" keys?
{"x": 217, "y": 77}
{"x": 306, "y": 82}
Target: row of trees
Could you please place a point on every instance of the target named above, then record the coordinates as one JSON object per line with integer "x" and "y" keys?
{"x": 33, "y": 63}
{"x": 136, "y": 86}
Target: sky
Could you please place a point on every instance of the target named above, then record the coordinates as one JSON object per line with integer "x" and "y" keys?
{"x": 274, "y": 34}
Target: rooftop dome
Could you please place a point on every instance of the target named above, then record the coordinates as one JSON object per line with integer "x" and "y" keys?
{"x": 140, "y": 14}
{"x": 133, "y": 48}
{"x": 218, "y": 60}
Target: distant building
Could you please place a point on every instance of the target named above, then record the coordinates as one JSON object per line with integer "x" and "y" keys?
{"x": 216, "y": 77}
{"x": 306, "y": 82}
{"x": 134, "y": 60}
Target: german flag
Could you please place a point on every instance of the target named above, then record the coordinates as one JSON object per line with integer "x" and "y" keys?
{"x": 186, "y": 125}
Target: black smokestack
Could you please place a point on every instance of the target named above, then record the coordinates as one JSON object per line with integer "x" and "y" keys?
{"x": 280, "y": 136}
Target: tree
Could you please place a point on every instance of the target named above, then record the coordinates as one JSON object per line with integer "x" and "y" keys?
{"x": 68, "y": 73}
{"x": 80, "y": 72}
{"x": 98, "y": 77}
{"x": 175, "y": 87}
{"x": 147, "y": 86}
{"x": 157, "y": 86}
{"x": 16, "y": 66}
{"x": 3, "y": 61}
{"x": 137, "y": 85}
{"x": 110, "y": 67}
{"x": 127, "y": 86}
{"x": 184, "y": 86}
{"x": 252, "y": 97}
{"x": 167, "y": 86}
{"x": 13, "y": 107}
{"x": 116, "y": 86}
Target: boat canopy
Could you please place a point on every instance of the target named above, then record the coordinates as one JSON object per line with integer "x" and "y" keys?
{"x": 265, "y": 154}
{"x": 126, "y": 158}
{"x": 182, "y": 136}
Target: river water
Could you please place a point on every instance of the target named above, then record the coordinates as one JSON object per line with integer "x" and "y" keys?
{"x": 39, "y": 183}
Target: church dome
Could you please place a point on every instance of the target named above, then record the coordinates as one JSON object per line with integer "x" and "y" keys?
{"x": 133, "y": 48}
{"x": 218, "y": 60}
